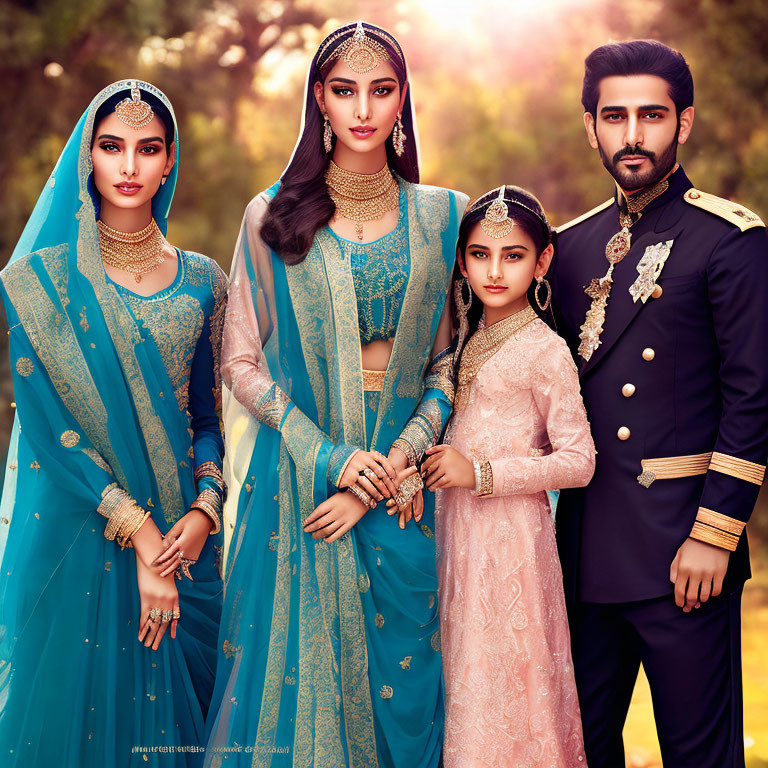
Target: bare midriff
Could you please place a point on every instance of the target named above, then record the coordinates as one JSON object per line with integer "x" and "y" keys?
{"x": 375, "y": 356}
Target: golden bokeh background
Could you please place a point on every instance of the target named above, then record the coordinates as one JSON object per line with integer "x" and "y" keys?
{"x": 496, "y": 85}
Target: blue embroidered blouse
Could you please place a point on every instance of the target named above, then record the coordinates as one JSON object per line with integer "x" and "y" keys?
{"x": 185, "y": 321}
{"x": 380, "y": 275}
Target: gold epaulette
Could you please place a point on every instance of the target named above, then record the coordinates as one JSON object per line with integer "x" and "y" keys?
{"x": 585, "y": 216}
{"x": 736, "y": 214}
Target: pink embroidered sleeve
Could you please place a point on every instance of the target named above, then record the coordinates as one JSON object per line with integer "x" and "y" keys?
{"x": 571, "y": 463}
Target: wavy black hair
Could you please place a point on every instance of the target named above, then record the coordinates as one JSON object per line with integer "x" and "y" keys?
{"x": 302, "y": 205}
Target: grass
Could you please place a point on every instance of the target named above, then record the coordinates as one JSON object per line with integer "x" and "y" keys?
{"x": 641, "y": 744}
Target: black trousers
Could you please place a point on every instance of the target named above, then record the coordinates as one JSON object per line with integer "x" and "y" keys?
{"x": 693, "y": 664}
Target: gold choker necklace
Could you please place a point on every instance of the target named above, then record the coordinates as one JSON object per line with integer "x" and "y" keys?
{"x": 362, "y": 197}
{"x": 135, "y": 252}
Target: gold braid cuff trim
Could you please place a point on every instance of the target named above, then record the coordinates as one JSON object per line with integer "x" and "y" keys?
{"x": 483, "y": 476}
{"x": 407, "y": 449}
{"x": 124, "y": 515}
{"x": 673, "y": 467}
{"x": 714, "y": 528}
{"x": 738, "y": 468}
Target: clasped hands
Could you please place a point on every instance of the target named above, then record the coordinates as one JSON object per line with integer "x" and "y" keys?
{"x": 155, "y": 572}
{"x": 377, "y": 477}
{"x": 372, "y": 477}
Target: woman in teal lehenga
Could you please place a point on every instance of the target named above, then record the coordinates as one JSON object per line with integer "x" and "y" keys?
{"x": 116, "y": 413}
{"x": 329, "y": 652}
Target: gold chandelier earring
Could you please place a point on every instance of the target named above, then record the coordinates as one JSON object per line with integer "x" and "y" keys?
{"x": 398, "y": 136}
{"x": 327, "y": 134}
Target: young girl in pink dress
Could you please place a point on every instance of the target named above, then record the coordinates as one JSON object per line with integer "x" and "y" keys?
{"x": 519, "y": 429}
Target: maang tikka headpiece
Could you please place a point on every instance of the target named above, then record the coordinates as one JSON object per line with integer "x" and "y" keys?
{"x": 497, "y": 223}
{"x": 361, "y": 51}
{"x": 134, "y": 112}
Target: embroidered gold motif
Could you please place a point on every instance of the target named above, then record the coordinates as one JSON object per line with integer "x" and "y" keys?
{"x": 386, "y": 692}
{"x": 25, "y": 366}
{"x": 427, "y": 531}
{"x": 379, "y": 620}
{"x": 482, "y": 346}
{"x": 406, "y": 662}
{"x": 435, "y": 642}
{"x": 70, "y": 438}
{"x": 272, "y": 407}
{"x": 175, "y": 323}
{"x": 649, "y": 269}
{"x": 230, "y": 650}
{"x": 363, "y": 582}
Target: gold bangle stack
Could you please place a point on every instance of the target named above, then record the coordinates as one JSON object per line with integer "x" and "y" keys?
{"x": 212, "y": 470}
{"x": 124, "y": 516}
{"x": 483, "y": 476}
{"x": 714, "y": 528}
{"x": 362, "y": 495}
{"x": 209, "y": 502}
{"x": 403, "y": 445}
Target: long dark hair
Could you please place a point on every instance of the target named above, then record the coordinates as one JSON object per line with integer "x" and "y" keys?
{"x": 302, "y": 205}
{"x": 527, "y": 212}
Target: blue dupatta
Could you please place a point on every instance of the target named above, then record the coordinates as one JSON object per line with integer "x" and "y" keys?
{"x": 329, "y": 654}
{"x": 95, "y": 406}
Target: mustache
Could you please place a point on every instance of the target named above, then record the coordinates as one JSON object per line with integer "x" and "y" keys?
{"x": 635, "y": 151}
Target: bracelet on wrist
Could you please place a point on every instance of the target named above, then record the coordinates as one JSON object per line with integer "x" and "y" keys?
{"x": 483, "y": 476}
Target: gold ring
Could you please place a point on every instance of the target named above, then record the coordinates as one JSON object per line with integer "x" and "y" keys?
{"x": 370, "y": 474}
{"x": 167, "y": 616}
{"x": 155, "y": 614}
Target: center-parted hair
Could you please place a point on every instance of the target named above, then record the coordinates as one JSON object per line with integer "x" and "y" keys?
{"x": 302, "y": 205}
{"x": 637, "y": 57}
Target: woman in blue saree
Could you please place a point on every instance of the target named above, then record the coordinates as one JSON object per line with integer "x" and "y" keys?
{"x": 329, "y": 652}
{"x": 107, "y": 647}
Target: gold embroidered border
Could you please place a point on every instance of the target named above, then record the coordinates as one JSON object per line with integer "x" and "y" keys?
{"x": 723, "y": 522}
{"x": 717, "y": 529}
{"x": 373, "y": 381}
{"x": 123, "y": 330}
{"x": 714, "y": 536}
{"x": 739, "y": 468}
{"x": 673, "y": 467}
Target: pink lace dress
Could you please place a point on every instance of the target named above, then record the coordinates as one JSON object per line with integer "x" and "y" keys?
{"x": 510, "y": 692}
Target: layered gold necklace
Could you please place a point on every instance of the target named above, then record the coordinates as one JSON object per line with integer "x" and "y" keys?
{"x": 362, "y": 197}
{"x": 137, "y": 253}
{"x": 599, "y": 289}
{"x": 482, "y": 346}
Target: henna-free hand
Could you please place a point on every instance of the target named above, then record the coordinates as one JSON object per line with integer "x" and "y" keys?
{"x": 697, "y": 572}
{"x": 446, "y": 467}
{"x": 335, "y": 516}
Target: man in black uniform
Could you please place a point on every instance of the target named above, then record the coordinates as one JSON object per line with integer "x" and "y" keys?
{"x": 662, "y": 294}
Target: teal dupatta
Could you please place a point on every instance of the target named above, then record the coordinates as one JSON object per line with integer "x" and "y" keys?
{"x": 329, "y": 654}
{"x": 95, "y": 406}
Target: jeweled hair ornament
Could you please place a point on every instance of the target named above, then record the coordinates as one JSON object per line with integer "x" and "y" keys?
{"x": 361, "y": 51}
{"x": 497, "y": 219}
{"x": 134, "y": 112}
{"x": 497, "y": 223}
